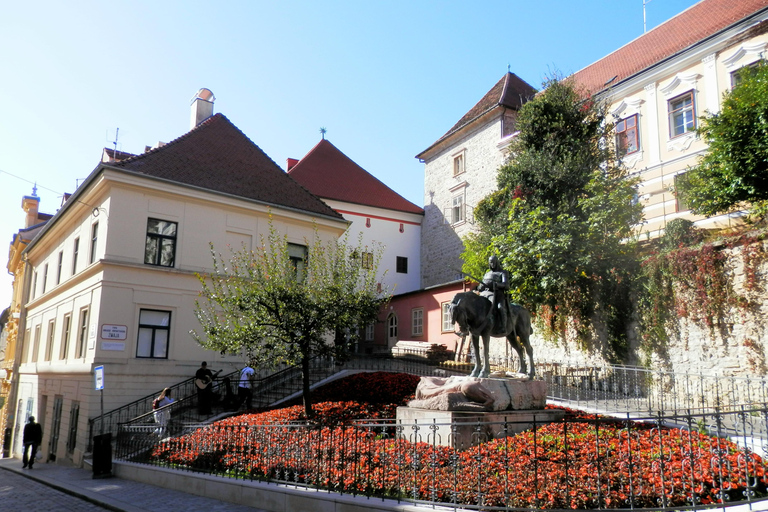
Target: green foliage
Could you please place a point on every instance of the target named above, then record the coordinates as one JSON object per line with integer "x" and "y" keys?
{"x": 257, "y": 302}
{"x": 562, "y": 217}
{"x": 734, "y": 172}
{"x": 680, "y": 232}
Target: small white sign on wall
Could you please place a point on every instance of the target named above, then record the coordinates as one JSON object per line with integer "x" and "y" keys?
{"x": 112, "y": 345}
{"x": 114, "y": 332}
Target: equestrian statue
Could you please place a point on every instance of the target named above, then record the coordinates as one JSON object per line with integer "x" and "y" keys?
{"x": 490, "y": 313}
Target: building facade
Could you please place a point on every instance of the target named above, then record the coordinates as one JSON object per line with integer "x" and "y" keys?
{"x": 113, "y": 276}
{"x": 661, "y": 84}
{"x": 459, "y": 170}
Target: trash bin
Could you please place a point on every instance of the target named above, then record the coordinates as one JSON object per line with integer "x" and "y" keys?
{"x": 102, "y": 456}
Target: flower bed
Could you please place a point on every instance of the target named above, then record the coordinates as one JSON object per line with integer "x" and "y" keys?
{"x": 582, "y": 462}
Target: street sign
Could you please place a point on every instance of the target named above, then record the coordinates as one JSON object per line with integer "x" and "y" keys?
{"x": 98, "y": 373}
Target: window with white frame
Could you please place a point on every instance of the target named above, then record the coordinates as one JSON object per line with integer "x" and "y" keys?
{"x": 75, "y": 253}
{"x": 392, "y": 326}
{"x": 458, "y": 164}
{"x": 45, "y": 277}
{"x": 160, "y": 247}
{"x": 94, "y": 242}
{"x": 457, "y": 209}
{"x": 58, "y": 267}
{"x": 298, "y": 256}
{"x": 367, "y": 260}
{"x": 82, "y": 334}
{"x": 36, "y": 346}
{"x": 682, "y": 115}
{"x": 447, "y": 323}
{"x": 369, "y": 331}
{"x": 49, "y": 340}
{"x": 34, "y": 284}
{"x": 65, "y": 330}
{"x": 417, "y": 322}
{"x": 627, "y": 139}
{"x": 681, "y": 201}
{"x": 154, "y": 333}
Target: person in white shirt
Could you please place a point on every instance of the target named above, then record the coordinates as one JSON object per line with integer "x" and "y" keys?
{"x": 245, "y": 387}
{"x": 162, "y": 416}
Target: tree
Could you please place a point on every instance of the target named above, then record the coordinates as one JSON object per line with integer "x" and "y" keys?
{"x": 563, "y": 215}
{"x": 734, "y": 172}
{"x": 278, "y": 307}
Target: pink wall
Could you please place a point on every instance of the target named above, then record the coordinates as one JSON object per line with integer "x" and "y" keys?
{"x": 431, "y": 301}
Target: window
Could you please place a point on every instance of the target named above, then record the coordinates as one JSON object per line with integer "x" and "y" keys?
{"x": 367, "y": 260}
{"x": 64, "y": 350}
{"x": 457, "y": 209}
{"x": 154, "y": 330}
{"x": 681, "y": 202}
{"x": 748, "y": 70}
{"x": 681, "y": 115}
{"x": 458, "y": 164}
{"x": 392, "y": 326}
{"x": 75, "y": 251}
{"x": 94, "y": 241}
{"x": 160, "y": 248}
{"x": 369, "y": 330}
{"x": 627, "y": 140}
{"x": 36, "y": 346}
{"x": 74, "y": 417}
{"x": 25, "y": 347}
{"x": 447, "y": 323}
{"x": 298, "y": 256}
{"x": 49, "y": 340}
{"x": 417, "y": 322}
{"x": 34, "y": 284}
{"x": 45, "y": 277}
{"x": 82, "y": 334}
{"x": 401, "y": 265}
{"x": 58, "y": 268}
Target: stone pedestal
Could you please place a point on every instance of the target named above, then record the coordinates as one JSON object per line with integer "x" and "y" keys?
{"x": 464, "y": 411}
{"x": 461, "y": 429}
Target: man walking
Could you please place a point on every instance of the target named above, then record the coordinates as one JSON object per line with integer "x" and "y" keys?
{"x": 245, "y": 387}
{"x": 33, "y": 436}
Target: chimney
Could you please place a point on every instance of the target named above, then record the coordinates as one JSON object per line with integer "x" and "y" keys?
{"x": 30, "y": 205}
{"x": 291, "y": 163}
{"x": 202, "y": 107}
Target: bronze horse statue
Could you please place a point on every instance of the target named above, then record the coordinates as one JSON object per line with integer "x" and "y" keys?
{"x": 473, "y": 314}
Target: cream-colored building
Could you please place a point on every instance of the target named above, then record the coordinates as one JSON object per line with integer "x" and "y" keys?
{"x": 112, "y": 276}
{"x": 659, "y": 86}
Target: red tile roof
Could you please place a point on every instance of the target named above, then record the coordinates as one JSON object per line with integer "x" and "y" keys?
{"x": 328, "y": 173}
{"x": 217, "y": 156}
{"x": 510, "y": 91}
{"x": 691, "y": 26}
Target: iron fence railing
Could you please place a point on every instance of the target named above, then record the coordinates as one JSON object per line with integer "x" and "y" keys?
{"x": 577, "y": 462}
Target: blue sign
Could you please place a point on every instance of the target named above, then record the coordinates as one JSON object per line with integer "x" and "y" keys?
{"x": 98, "y": 373}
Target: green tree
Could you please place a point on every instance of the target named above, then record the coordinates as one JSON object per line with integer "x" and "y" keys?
{"x": 562, "y": 217}
{"x": 277, "y": 308}
{"x": 734, "y": 172}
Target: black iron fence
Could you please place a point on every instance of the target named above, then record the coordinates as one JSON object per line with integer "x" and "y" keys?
{"x": 578, "y": 462}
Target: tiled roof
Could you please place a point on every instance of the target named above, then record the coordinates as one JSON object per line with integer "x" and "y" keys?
{"x": 217, "y": 156}
{"x": 328, "y": 173}
{"x": 510, "y": 91}
{"x": 691, "y": 26}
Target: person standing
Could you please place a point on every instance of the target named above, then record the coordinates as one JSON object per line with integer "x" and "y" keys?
{"x": 245, "y": 387}
{"x": 162, "y": 416}
{"x": 204, "y": 382}
{"x": 33, "y": 436}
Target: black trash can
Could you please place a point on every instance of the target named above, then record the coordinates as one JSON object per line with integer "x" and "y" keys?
{"x": 102, "y": 456}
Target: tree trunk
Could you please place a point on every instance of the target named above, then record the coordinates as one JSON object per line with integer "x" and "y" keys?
{"x": 305, "y": 385}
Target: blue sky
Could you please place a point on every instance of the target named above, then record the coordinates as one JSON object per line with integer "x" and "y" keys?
{"x": 386, "y": 79}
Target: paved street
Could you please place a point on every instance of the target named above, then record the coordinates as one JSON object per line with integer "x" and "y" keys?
{"x": 37, "y": 490}
{"x": 20, "y": 493}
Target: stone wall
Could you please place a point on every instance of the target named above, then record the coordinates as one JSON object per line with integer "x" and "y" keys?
{"x": 441, "y": 243}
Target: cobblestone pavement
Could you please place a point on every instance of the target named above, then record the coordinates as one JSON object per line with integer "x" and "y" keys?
{"x": 55, "y": 487}
{"x": 20, "y": 493}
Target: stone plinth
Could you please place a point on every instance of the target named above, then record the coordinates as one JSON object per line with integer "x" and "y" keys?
{"x": 480, "y": 394}
{"x": 461, "y": 429}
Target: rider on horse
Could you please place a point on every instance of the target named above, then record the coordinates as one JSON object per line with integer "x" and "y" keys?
{"x": 494, "y": 287}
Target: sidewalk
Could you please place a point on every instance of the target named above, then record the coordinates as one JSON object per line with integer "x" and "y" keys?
{"x": 115, "y": 493}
